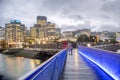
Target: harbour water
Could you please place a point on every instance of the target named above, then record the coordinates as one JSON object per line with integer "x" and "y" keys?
{"x": 11, "y": 68}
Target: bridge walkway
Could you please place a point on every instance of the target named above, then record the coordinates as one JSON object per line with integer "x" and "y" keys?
{"x": 76, "y": 68}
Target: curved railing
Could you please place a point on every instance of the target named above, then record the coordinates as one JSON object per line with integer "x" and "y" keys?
{"x": 50, "y": 70}
{"x": 106, "y": 60}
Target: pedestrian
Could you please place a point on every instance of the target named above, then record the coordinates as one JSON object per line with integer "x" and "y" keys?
{"x": 71, "y": 49}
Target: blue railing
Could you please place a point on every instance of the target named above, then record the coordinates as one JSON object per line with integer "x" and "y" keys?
{"x": 106, "y": 60}
{"x": 50, "y": 70}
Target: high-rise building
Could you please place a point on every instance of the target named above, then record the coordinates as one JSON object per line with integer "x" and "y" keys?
{"x": 58, "y": 32}
{"x": 43, "y": 31}
{"x": 15, "y": 33}
{"x": 28, "y": 32}
{"x": 37, "y": 31}
{"x": 42, "y": 20}
{"x": 33, "y": 33}
{"x": 50, "y": 30}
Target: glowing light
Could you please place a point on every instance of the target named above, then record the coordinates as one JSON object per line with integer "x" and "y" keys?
{"x": 76, "y": 58}
{"x": 101, "y": 66}
{"x": 15, "y": 21}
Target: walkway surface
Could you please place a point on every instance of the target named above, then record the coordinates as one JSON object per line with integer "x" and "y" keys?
{"x": 77, "y": 69}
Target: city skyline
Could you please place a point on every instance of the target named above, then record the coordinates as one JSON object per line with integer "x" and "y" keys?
{"x": 97, "y": 15}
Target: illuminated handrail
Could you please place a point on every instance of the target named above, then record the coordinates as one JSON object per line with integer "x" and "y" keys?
{"x": 49, "y": 70}
{"x": 108, "y": 61}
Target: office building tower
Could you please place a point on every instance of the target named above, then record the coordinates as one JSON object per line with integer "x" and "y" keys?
{"x": 15, "y": 33}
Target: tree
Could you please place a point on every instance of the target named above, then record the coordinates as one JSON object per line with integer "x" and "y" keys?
{"x": 101, "y": 42}
{"x": 28, "y": 42}
{"x": 92, "y": 38}
{"x": 56, "y": 39}
{"x": 83, "y": 38}
{"x": 113, "y": 41}
{"x": 3, "y": 44}
{"x": 106, "y": 41}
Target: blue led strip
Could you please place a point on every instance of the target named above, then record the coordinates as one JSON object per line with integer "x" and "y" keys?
{"x": 49, "y": 70}
{"x": 108, "y": 61}
{"x": 102, "y": 75}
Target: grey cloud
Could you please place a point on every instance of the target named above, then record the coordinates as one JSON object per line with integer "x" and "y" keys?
{"x": 86, "y": 25}
{"x": 112, "y": 6}
{"x": 76, "y": 27}
{"x": 24, "y": 10}
{"x": 4, "y": 20}
{"x": 105, "y": 17}
{"x": 84, "y": 10}
{"x": 64, "y": 7}
{"x": 112, "y": 9}
{"x": 54, "y": 4}
{"x": 67, "y": 27}
{"x": 59, "y": 4}
{"x": 109, "y": 27}
{"x": 76, "y": 17}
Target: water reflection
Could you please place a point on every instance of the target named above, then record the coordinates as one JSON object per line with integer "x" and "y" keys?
{"x": 14, "y": 67}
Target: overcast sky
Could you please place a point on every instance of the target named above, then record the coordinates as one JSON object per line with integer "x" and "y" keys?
{"x": 97, "y": 15}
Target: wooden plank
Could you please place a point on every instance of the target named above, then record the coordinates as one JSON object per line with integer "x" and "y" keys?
{"x": 77, "y": 69}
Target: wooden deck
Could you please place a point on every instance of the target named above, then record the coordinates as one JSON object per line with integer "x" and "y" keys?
{"x": 77, "y": 69}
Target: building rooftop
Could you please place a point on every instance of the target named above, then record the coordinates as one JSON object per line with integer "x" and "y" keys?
{"x": 41, "y": 18}
{"x": 15, "y": 21}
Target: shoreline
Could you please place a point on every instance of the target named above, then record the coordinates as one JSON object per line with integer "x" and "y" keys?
{"x": 32, "y": 54}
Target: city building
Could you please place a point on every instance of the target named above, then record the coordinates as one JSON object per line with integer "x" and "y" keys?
{"x": 39, "y": 29}
{"x": 27, "y": 32}
{"x": 2, "y": 37}
{"x": 2, "y": 33}
{"x": 35, "y": 31}
{"x": 108, "y": 35}
{"x": 15, "y": 33}
{"x": 43, "y": 31}
{"x": 50, "y": 31}
{"x": 42, "y": 24}
{"x": 68, "y": 36}
{"x": 42, "y": 20}
{"x": 57, "y": 32}
{"x": 112, "y": 35}
{"x": 105, "y": 35}
{"x": 118, "y": 36}
{"x": 82, "y": 31}
{"x": 97, "y": 34}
